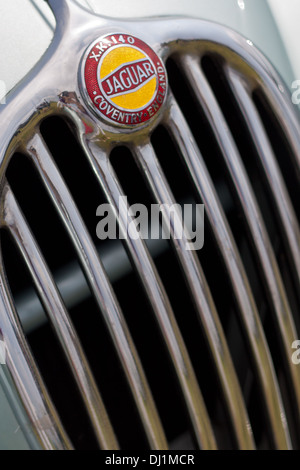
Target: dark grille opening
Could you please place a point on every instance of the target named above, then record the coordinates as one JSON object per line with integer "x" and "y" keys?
{"x": 280, "y": 147}
{"x": 220, "y": 271}
{"x": 87, "y": 318}
{"x": 87, "y": 194}
{"x": 284, "y": 158}
{"x": 252, "y": 164}
{"x": 195, "y": 340}
{"x": 123, "y": 163}
{"x": 154, "y": 358}
{"x": 254, "y": 169}
{"x": 19, "y": 278}
{"x": 213, "y": 70}
{"x": 173, "y": 168}
{"x": 102, "y": 358}
{"x": 63, "y": 390}
{"x": 39, "y": 212}
{"x": 109, "y": 374}
{"x": 50, "y": 358}
{"x": 140, "y": 317}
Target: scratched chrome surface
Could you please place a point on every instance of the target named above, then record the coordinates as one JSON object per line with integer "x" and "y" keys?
{"x": 52, "y": 89}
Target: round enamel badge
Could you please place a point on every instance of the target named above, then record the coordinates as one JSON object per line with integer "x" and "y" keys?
{"x": 123, "y": 79}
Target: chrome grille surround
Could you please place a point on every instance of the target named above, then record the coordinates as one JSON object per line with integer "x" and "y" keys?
{"x": 40, "y": 96}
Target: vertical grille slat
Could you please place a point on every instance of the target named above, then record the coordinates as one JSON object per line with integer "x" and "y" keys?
{"x": 287, "y": 219}
{"x": 288, "y": 119}
{"x": 60, "y": 320}
{"x": 202, "y": 298}
{"x": 247, "y": 308}
{"x": 257, "y": 231}
{"x": 158, "y": 299}
{"x": 102, "y": 290}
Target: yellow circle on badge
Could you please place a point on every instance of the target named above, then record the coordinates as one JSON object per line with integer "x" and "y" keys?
{"x": 127, "y": 78}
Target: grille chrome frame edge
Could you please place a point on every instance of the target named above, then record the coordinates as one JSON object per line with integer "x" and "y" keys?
{"x": 39, "y": 96}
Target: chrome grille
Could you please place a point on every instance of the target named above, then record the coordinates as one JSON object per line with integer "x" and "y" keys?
{"x": 245, "y": 72}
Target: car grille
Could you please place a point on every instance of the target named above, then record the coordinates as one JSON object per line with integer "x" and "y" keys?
{"x": 153, "y": 346}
